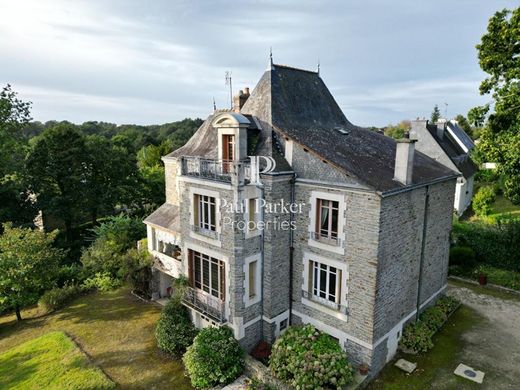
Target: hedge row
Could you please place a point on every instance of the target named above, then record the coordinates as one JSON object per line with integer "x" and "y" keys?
{"x": 497, "y": 245}
{"x": 418, "y": 336}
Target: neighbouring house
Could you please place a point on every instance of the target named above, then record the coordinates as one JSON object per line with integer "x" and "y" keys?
{"x": 447, "y": 143}
{"x": 346, "y": 229}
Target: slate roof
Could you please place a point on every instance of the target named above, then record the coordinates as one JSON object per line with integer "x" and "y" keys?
{"x": 166, "y": 216}
{"x": 459, "y": 157}
{"x": 297, "y": 104}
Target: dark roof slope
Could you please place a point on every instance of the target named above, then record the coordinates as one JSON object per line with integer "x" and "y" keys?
{"x": 298, "y": 104}
{"x": 461, "y": 135}
{"x": 459, "y": 157}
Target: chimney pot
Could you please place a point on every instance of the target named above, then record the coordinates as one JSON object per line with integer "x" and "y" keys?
{"x": 246, "y": 91}
{"x": 240, "y": 99}
{"x": 404, "y": 156}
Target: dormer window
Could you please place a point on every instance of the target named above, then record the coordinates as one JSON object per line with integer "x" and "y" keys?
{"x": 232, "y": 136}
{"x": 228, "y": 146}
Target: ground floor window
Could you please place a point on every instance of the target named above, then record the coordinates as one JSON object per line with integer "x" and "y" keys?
{"x": 207, "y": 274}
{"x": 325, "y": 282}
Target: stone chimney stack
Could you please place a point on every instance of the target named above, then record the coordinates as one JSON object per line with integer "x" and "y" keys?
{"x": 441, "y": 127}
{"x": 404, "y": 154}
{"x": 240, "y": 99}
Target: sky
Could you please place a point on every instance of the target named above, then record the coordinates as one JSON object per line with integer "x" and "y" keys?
{"x": 152, "y": 62}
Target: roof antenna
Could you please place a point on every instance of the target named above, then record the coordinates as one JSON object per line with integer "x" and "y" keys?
{"x": 214, "y": 104}
{"x": 228, "y": 82}
{"x": 318, "y": 66}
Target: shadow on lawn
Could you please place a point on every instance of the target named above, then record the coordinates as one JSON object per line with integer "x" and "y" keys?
{"x": 17, "y": 369}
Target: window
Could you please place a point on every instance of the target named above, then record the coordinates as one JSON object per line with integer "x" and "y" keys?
{"x": 325, "y": 282}
{"x": 283, "y": 324}
{"x": 206, "y": 212}
{"x": 252, "y": 279}
{"x": 252, "y": 215}
{"x": 327, "y": 219}
{"x": 207, "y": 274}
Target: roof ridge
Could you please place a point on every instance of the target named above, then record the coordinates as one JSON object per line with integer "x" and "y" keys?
{"x": 294, "y": 68}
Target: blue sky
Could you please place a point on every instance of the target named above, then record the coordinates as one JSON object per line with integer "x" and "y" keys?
{"x": 157, "y": 61}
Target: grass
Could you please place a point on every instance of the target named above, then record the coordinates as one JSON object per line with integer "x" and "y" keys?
{"x": 51, "y": 361}
{"x": 501, "y": 294}
{"x": 115, "y": 329}
{"x": 435, "y": 367}
{"x": 501, "y": 207}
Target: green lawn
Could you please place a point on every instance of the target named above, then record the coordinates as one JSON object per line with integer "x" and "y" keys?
{"x": 435, "y": 367}
{"x": 115, "y": 329}
{"x": 51, "y": 361}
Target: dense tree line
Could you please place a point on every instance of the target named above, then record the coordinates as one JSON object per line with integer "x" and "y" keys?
{"x": 76, "y": 174}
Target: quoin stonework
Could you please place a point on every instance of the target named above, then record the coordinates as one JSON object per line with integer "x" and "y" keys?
{"x": 363, "y": 249}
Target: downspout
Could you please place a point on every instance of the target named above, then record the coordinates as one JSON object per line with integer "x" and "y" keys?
{"x": 423, "y": 247}
{"x": 291, "y": 249}
{"x": 261, "y": 188}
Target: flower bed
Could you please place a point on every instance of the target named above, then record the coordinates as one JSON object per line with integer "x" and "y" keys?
{"x": 418, "y": 336}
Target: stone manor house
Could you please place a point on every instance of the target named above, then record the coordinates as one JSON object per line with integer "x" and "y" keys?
{"x": 357, "y": 245}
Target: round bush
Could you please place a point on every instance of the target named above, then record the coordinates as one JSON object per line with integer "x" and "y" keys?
{"x": 483, "y": 200}
{"x": 58, "y": 297}
{"x": 308, "y": 359}
{"x": 175, "y": 331}
{"x": 463, "y": 256}
{"x": 214, "y": 358}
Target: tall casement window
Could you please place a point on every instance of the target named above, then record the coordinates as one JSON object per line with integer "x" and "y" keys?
{"x": 228, "y": 151}
{"x": 207, "y": 274}
{"x": 228, "y": 147}
{"x": 327, "y": 219}
{"x": 252, "y": 215}
{"x": 205, "y": 212}
{"x": 252, "y": 279}
{"x": 325, "y": 282}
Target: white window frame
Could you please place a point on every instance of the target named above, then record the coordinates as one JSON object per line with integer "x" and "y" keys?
{"x": 319, "y": 270}
{"x": 200, "y": 258}
{"x": 257, "y": 279}
{"x": 313, "y": 214}
{"x": 318, "y": 304}
{"x": 218, "y": 215}
{"x": 205, "y": 221}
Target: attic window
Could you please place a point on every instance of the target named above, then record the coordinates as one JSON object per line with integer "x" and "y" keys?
{"x": 340, "y": 130}
{"x": 324, "y": 161}
{"x": 305, "y": 150}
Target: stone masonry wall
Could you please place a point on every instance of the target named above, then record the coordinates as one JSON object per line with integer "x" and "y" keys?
{"x": 170, "y": 176}
{"x": 361, "y": 225}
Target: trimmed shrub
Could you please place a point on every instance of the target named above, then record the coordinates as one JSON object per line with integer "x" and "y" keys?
{"x": 462, "y": 256}
{"x": 434, "y": 317}
{"x": 497, "y": 245}
{"x": 58, "y": 297}
{"x": 174, "y": 332}
{"x": 309, "y": 359}
{"x": 101, "y": 282}
{"x": 417, "y": 336}
{"x": 483, "y": 200}
{"x": 214, "y": 358}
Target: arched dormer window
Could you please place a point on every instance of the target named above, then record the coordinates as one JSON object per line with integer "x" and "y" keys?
{"x": 232, "y": 135}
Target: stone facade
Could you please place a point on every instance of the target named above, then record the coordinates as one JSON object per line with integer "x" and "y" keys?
{"x": 386, "y": 246}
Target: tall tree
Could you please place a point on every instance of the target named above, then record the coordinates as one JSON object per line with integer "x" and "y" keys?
{"x": 14, "y": 115}
{"x": 111, "y": 176}
{"x": 28, "y": 266}
{"x": 499, "y": 57}
{"x": 57, "y": 173}
{"x": 436, "y": 114}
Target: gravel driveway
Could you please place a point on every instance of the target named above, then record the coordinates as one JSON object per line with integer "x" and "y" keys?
{"x": 493, "y": 344}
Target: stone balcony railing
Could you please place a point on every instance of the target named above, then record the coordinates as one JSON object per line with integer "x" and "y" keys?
{"x": 205, "y": 304}
{"x": 236, "y": 172}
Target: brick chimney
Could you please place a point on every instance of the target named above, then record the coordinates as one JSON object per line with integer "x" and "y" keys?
{"x": 441, "y": 127}
{"x": 240, "y": 99}
{"x": 404, "y": 154}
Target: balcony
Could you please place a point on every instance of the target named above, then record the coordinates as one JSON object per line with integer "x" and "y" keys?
{"x": 333, "y": 241}
{"x": 205, "y": 304}
{"x": 229, "y": 171}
